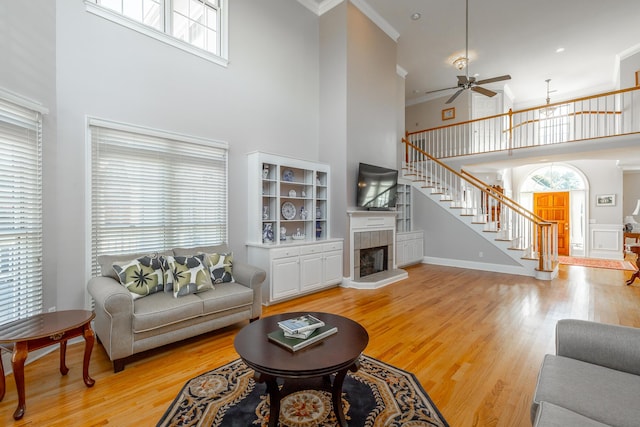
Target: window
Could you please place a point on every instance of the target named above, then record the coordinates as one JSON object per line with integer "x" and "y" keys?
{"x": 154, "y": 190}
{"x": 20, "y": 212}
{"x": 197, "y": 26}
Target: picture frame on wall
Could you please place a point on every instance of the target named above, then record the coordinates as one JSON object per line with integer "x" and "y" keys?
{"x": 606, "y": 200}
{"x": 449, "y": 113}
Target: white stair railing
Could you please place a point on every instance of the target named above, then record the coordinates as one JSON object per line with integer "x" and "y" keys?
{"x": 486, "y": 205}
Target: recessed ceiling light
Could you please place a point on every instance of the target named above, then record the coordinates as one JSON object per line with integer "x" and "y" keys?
{"x": 560, "y": 50}
{"x": 416, "y": 16}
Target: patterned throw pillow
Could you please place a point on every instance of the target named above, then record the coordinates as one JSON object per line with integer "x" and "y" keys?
{"x": 142, "y": 276}
{"x": 220, "y": 267}
{"x": 189, "y": 275}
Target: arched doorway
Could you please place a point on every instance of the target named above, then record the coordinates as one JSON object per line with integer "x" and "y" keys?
{"x": 559, "y": 192}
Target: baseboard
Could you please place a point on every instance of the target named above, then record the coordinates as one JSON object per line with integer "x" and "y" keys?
{"x": 473, "y": 265}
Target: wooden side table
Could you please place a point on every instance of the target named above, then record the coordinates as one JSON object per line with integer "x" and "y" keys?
{"x": 636, "y": 250}
{"x": 43, "y": 330}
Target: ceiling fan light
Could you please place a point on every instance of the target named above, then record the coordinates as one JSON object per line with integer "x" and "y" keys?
{"x": 460, "y": 63}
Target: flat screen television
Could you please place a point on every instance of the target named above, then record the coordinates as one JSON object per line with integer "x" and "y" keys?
{"x": 376, "y": 187}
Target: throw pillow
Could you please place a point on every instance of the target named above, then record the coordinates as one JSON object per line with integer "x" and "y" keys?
{"x": 189, "y": 275}
{"x": 142, "y": 276}
{"x": 220, "y": 267}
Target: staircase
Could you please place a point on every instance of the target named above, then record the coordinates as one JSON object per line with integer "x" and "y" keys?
{"x": 529, "y": 240}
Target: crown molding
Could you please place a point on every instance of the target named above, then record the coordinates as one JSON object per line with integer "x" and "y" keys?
{"x": 368, "y": 11}
{"x": 401, "y": 71}
{"x": 320, "y": 7}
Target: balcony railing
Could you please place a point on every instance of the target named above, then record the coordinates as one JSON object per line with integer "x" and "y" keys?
{"x": 608, "y": 114}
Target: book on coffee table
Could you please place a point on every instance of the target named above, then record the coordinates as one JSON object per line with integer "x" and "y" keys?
{"x": 295, "y": 344}
{"x": 300, "y": 324}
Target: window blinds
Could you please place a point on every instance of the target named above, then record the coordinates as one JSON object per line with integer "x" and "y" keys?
{"x": 20, "y": 212}
{"x": 153, "y": 191}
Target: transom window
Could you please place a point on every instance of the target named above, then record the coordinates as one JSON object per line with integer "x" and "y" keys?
{"x": 194, "y": 23}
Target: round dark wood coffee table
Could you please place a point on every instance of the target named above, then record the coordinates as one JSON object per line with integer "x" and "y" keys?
{"x": 335, "y": 354}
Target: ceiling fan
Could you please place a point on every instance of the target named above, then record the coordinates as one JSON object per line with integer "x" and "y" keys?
{"x": 465, "y": 82}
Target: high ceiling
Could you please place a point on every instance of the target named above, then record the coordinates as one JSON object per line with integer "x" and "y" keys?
{"x": 516, "y": 37}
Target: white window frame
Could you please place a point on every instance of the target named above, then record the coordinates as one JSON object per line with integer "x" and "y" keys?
{"x": 166, "y": 35}
{"x": 21, "y": 246}
{"x": 169, "y": 238}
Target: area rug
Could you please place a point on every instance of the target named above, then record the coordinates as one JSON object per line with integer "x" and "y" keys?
{"x": 597, "y": 263}
{"x": 376, "y": 395}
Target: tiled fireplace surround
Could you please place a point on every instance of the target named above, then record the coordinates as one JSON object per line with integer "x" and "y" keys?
{"x": 371, "y": 239}
{"x": 369, "y": 229}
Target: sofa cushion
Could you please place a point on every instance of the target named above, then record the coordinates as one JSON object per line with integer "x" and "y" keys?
{"x": 550, "y": 415}
{"x": 161, "y": 309}
{"x": 141, "y": 276}
{"x": 596, "y": 392}
{"x": 220, "y": 267}
{"x": 106, "y": 261}
{"x": 226, "y": 296}
{"x": 188, "y": 275}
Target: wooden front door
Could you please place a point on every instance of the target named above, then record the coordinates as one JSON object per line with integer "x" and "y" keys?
{"x": 555, "y": 207}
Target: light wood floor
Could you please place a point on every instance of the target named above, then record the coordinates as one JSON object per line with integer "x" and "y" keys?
{"x": 475, "y": 340}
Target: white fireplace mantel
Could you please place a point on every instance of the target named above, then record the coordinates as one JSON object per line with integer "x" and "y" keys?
{"x": 363, "y": 221}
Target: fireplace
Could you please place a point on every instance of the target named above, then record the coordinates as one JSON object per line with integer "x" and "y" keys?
{"x": 373, "y": 260}
{"x": 372, "y": 252}
{"x": 372, "y": 236}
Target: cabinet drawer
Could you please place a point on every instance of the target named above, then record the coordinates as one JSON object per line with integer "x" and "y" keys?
{"x": 310, "y": 249}
{"x": 284, "y": 252}
{"x": 333, "y": 246}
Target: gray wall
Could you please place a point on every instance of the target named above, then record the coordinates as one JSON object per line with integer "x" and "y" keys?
{"x": 28, "y": 52}
{"x": 270, "y": 98}
{"x": 359, "y": 105}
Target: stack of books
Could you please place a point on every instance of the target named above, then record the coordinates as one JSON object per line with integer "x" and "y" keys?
{"x": 300, "y": 332}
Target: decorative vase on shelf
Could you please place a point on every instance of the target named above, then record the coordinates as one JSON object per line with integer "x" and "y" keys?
{"x": 265, "y": 212}
{"x": 267, "y": 233}
{"x": 303, "y": 213}
{"x": 318, "y": 229}
{"x": 318, "y": 212}
{"x": 265, "y": 172}
{"x": 283, "y": 234}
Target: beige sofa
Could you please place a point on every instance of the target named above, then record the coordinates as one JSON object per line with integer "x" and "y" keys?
{"x": 126, "y": 325}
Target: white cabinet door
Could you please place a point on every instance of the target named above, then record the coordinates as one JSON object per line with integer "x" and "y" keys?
{"x": 401, "y": 253}
{"x": 418, "y": 249}
{"x": 285, "y": 277}
{"x": 310, "y": 272}
{"x": 332, "y": 267}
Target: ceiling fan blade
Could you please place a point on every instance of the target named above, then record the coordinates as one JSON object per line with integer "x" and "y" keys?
{"x": 454, "y": 96}
{"x": 494, "y": 79}
{"x": 483, "y": 91}
{"x": 440, "y": 90}
{"x": 462, "y": 80}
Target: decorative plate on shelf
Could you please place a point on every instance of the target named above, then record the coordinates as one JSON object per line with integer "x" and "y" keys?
{"x": 287, "y": 175}
{"x": 288, "y": 210}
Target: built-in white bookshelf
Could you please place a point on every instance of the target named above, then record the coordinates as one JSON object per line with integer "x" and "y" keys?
{"x": 288, "y": 196}
{"x": 403, "y": 207}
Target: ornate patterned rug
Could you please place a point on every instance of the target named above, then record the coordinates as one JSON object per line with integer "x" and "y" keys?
{"x": 597, "y": 263}
{"x": 376, "y": 395}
